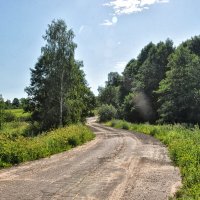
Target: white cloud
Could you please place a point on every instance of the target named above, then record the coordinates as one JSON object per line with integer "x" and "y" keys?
{"x": 111, "y": 22}
{"x": 121, "y": 7}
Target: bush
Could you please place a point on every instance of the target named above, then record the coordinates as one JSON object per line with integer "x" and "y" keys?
{"x": 9, "y": 117}
{"x": 32, "y": 130}
{"x": 125, "y": 126}
{"x": 14, "y": 129}
{"x": 113, "y": 123}
{"x": 107, "y": 112}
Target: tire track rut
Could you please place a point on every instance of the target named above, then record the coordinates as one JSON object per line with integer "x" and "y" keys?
{"x": 116, "y": 165}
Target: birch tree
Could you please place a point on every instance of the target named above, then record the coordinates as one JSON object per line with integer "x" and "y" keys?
{"x": 57, "y": 78}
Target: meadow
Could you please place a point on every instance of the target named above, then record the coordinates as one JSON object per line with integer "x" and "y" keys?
{"x": 17, "y": 146}
{"x": 184, "y": 149}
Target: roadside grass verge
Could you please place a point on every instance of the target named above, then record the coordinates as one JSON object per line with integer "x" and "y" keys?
{"x": 14, "y": 150}
{"x": 184, "y": 149}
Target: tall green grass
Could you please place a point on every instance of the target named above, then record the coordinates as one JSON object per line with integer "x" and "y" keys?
{"x": 18, "y": 114}
{"x": 184, "y": 149}
{"x": 14, "y": 150}
{"x": 14, "y": 129}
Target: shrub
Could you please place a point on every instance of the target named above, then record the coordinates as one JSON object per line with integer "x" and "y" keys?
{"x": 125, "y": 126}
{"x": 113, "y": 123}
{"x": 32, "y": 130}
{"x": 21, "y": 149}
{"x": 9, "y": 117}
{"x": 107, "y": 112}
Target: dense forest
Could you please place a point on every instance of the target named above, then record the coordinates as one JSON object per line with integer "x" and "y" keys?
{"x": 161, "y": 85}
{"x": 158, "y": 94}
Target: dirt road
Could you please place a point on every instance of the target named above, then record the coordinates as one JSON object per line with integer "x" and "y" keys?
{"x": 116, "y": 165}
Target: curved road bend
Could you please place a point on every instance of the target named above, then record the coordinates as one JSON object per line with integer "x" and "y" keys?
{"x": 116, "y": 165}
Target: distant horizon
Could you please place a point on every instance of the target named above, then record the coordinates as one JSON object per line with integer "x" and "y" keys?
{"x": 108, "y": 34}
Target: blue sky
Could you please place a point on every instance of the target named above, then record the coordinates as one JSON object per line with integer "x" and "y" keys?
{"x": 108, "y": 33}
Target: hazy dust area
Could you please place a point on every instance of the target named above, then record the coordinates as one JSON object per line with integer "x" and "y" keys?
{"x": 116, "y": 165}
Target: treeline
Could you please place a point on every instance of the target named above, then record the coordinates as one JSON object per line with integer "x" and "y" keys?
{"x": 161, "y": 85}
{"x": 7, "y": 106}
{"x": 14, "y": 104}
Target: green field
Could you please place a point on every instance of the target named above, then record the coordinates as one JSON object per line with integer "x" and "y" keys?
{"x": 184, "y": 149}
{"x": 17, "y": 115}
{"x": 17, "y": 146}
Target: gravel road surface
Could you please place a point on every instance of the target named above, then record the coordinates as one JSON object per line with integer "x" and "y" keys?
{"x": 116, "y": 165}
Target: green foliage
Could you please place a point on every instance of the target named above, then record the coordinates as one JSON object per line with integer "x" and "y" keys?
{"x": 179, "y": 92}
{"x": 153, "y": 68}
{"x": 141, "y": 77}
{"x": 184, "y": 149}
{"x": 137, "y": 108}
{"x": 152, "y": 71}
{"x": 25, "y": 104}
{"x": 9, "y": 116}
{"x": 162, "y": 85}
{"x": 2, "y": 111}
{"x": 8, "y": 104}
{"x": 107, "y": 112}
{"x": 14, "y": 129}
{"x": 17, "y": 115}
{"x": 18, "y": 112}
{"x": 114, "y": 79}
{"x": 58, "y": 93}
{"x": 90, "y": 104}
{"x": 193, "y": 45}
{"x": 128, "y": 78}
{"x": 108, "y": 95}
{"x": 21, "y": 149}
{"x": 15, "y": 103}
{"x": 129, "y": 110}
{"x": 17, "y": 122}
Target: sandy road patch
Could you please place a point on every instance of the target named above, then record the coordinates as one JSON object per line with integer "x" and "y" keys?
{"x": 116, "y": 165}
